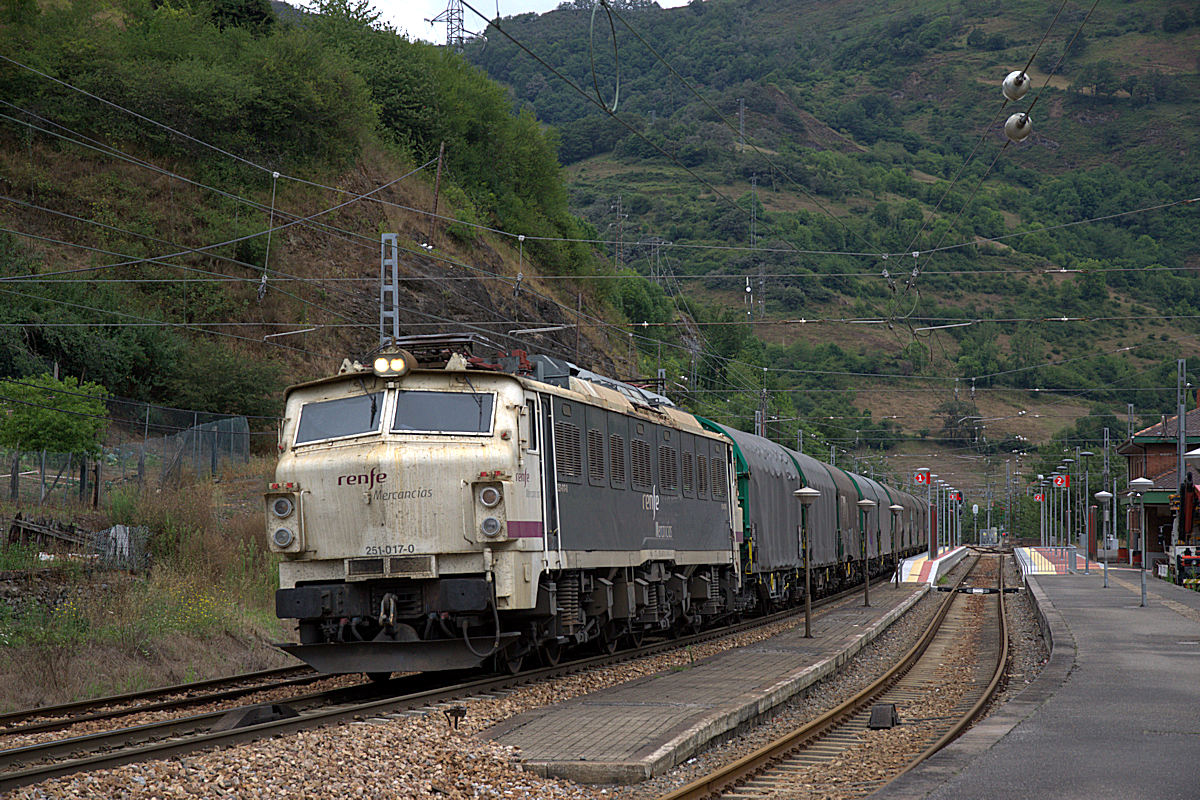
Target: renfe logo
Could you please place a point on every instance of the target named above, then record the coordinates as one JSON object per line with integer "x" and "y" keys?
{"x": 368, "y": 479}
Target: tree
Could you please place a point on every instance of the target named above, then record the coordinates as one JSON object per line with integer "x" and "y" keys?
{"x": 1175, "y": 20}
{"x": 59, "y": 416}
{"x": 255, "y": 16}
{"x": 960, "y": 422}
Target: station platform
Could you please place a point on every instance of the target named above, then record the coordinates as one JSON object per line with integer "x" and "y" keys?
{"x": 1053, "y": 561}
{"x": 923, "y": 569}
{"x": 642, "y": 728}
{"x": 1112, "y": 715}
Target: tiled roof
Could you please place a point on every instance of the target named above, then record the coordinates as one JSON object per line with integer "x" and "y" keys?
{"x": 1169, "y": 428}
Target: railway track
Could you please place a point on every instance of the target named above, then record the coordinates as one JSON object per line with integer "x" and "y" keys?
{"x": 31, "y": 763}
{"x": 163, "y": 698}
{"x": 938, "y": 689}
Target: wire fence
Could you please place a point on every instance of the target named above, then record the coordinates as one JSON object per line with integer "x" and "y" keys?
{"x": 145, "y": 445}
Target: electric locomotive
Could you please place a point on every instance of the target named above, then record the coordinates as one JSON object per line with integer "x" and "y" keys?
{"x": 442, "y": 510}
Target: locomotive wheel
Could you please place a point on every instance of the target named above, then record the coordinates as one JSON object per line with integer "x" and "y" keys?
{"x": 635, "y": 636}
{"x": 509, "y": 665}
{"x": 550, "y": 652}
{"x": 609, "y": 639}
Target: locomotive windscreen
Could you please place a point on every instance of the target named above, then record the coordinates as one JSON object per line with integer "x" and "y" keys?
{"x": 443, "y": 412}
{"x": 346, "y": 416}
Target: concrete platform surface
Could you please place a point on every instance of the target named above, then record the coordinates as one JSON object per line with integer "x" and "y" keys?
{"x": 642, "y": 728}
{"x": 1114, "y": 714}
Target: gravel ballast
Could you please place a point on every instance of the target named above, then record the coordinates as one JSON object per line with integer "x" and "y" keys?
{"x": 421, "y": 755}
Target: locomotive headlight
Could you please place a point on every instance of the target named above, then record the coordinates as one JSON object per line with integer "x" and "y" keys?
{"x": 490, "y": 496}
{"x": 490, "y": 527}
{"x": 394, "y": 364}
{"x": 282, "y": 538}
{"x": 282, "y": 507}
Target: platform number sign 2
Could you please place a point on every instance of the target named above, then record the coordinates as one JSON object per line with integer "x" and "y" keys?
{"x": 1062, "y": 481}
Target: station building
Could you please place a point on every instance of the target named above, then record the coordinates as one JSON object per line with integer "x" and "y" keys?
{"x": 1153, "y": 453}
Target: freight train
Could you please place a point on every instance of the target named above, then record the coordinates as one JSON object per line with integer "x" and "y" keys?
{"x": 449, "y": 506}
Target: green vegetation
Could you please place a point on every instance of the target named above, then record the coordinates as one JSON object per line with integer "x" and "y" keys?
{"x": 314, "y": 97}
{"x": 79, "y": 631}
{"x": 45, "y": 413}
{"x": 872, "y": 115}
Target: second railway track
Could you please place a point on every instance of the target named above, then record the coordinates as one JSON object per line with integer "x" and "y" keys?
{"x": 938, "y": 688}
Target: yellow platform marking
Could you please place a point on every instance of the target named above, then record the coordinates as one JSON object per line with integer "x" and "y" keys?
{"x": 1040, "y": 565}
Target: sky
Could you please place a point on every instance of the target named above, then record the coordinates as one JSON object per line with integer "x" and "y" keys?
{"x": 410, "y": 15}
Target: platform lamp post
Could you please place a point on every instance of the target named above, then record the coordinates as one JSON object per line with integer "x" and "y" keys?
{"x": 1102, "y": 497}
{"x": 923, "y": 477}
{"x": 865, "y": 507}
{"x": 1084, "y": 457}
{"x": 1140, "y": 486}
{"x": 896, "y": 508}
{"x": 936, "y": 482}
{"x": 806, "y": 496}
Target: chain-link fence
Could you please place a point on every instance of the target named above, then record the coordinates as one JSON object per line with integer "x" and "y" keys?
{"x": 144, "y": 445}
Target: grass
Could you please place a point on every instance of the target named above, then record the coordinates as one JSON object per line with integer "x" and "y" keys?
{"x": 204, "y": 607}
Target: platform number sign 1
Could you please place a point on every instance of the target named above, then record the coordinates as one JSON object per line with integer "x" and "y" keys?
{"x": 921, "y": 477}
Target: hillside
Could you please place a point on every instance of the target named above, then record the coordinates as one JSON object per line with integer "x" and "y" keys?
{"x": 147, "y": 241}
{"x": 857, "y": 118}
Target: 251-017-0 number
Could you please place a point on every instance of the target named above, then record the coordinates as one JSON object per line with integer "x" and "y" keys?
{"x": 389, "y": 549}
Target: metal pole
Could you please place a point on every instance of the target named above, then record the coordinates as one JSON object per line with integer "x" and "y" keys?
{"x": 1041, "y": 513}
{"x": 807, "y": 576}
{"x": 866, "y": 560}
{"x": 929, "y": 514}
{"x": 1142, "y": 499}
{"x": 1180, "y": 447}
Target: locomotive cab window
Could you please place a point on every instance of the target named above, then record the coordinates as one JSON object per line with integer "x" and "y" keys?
{"x": 337, "y": 419}
{"x": 443, "y": 412}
